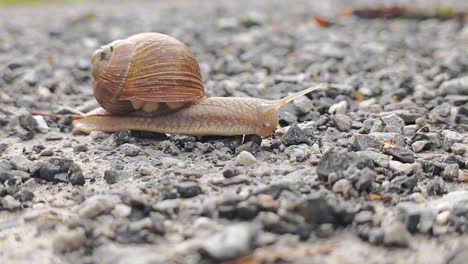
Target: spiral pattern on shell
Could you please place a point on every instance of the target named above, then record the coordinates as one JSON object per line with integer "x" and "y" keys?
{"x": 144, "y": 70}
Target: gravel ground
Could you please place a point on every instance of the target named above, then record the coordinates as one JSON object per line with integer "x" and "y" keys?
{"x": 372, "y": 170}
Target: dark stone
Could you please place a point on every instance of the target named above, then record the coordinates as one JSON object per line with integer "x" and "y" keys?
{"x": 402, "y": 184}
{"x": 363, "y": 142}
{"x": 454, "y": 159}
{"x": 318, "y": 210}
{"x": 168, "y": 147}
{"x": 111, "y": 176}
{"x": 48, "y": 172}
{"x": 294, "y": 136}
{"x": 66, "y": 123}
{"x": 181, "y": 141}
{"x": 121, "y": 137}
{"x": 400, "y": 154}
{"x": 77, "y": 179}
{"x": 28, "y": 122}
{"x": 188, "y": 189}
{"x": 338, "y": 160}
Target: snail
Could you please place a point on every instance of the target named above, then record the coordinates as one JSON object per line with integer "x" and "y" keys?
{"x": 152, "y": 82}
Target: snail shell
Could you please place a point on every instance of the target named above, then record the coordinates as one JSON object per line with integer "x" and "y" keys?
{"x": 143, "y": 71}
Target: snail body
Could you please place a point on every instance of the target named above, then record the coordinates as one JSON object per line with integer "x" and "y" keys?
{"x": 152, "y": 82}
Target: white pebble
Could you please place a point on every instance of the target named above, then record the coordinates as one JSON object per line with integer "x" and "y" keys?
{"x": 246, "y": 159}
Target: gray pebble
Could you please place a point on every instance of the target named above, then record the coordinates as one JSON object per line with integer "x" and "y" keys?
{"x": 294, "y": 136}
{"x": 393, "y": 123}
{"x": 113, "y": 176}
{"x": 80, "y": 148}
{"x": 130, "y": 150}
{"x": 342, "y": 122}
{"x": 449, "y": 138}
{"x": 54, "y": 136}
{"x": 450, "y": 172}
{"x": 188, "y": 189}
{"x": 21, "y": 163}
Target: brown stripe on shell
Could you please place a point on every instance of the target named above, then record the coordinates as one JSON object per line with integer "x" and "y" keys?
{"x": 109, "y": 86}
{"x": 164, "y": 70}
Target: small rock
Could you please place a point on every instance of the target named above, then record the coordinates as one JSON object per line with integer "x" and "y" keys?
{"x": 400, "y": 154}
{"x": 338, "y": 108}
{"x": 456, "y": 86}
{"x": 393, "y": 123}
{"x": 68, "y": 240}
{"x": 419, "y": 145}
{"x": 230, "y": 171}
{"x": 450, "y": 172}
{"x": 410, "y": 130}
{"x": 54, "y": 136}
{"x": 98, "y": 135}
{"x": 363, "y": 179}
{"x": 396, "y": 235}
{"x": 450, "y": 138}
{"x": 80, "y": 148}
{"x": 400, "y": 168}
{"x": 234, "y": 242}
{"x": 188, "y": 189}
{"x": 342, "y": 122}
{"x": 130, "y": 150}
{"x": 145, "y": 169}
{"x": 337, "y": 160}
{"x": 436, "y": 186}
{"x": 77, "y": 179}
{"x": 458, "y": 148}
{"x": 28, "y": 122}
{"x": 440, "y": 114}
{"x": 121, "y": 137}
{"x": 344, "y": 187}
{"x": 246, "y": 159}
{"x": 41, "y": 124}
{"x": 97, "y": 205}
{"x": 294, "y": 136}
{"x": 113, "y": 176}
{"x": 10, "y": 203}
{"x": 363, "y": 142}
{"x": 21, "y": 163}
{"x": 298, "y": 153}
{"x": 395, "y": 138}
